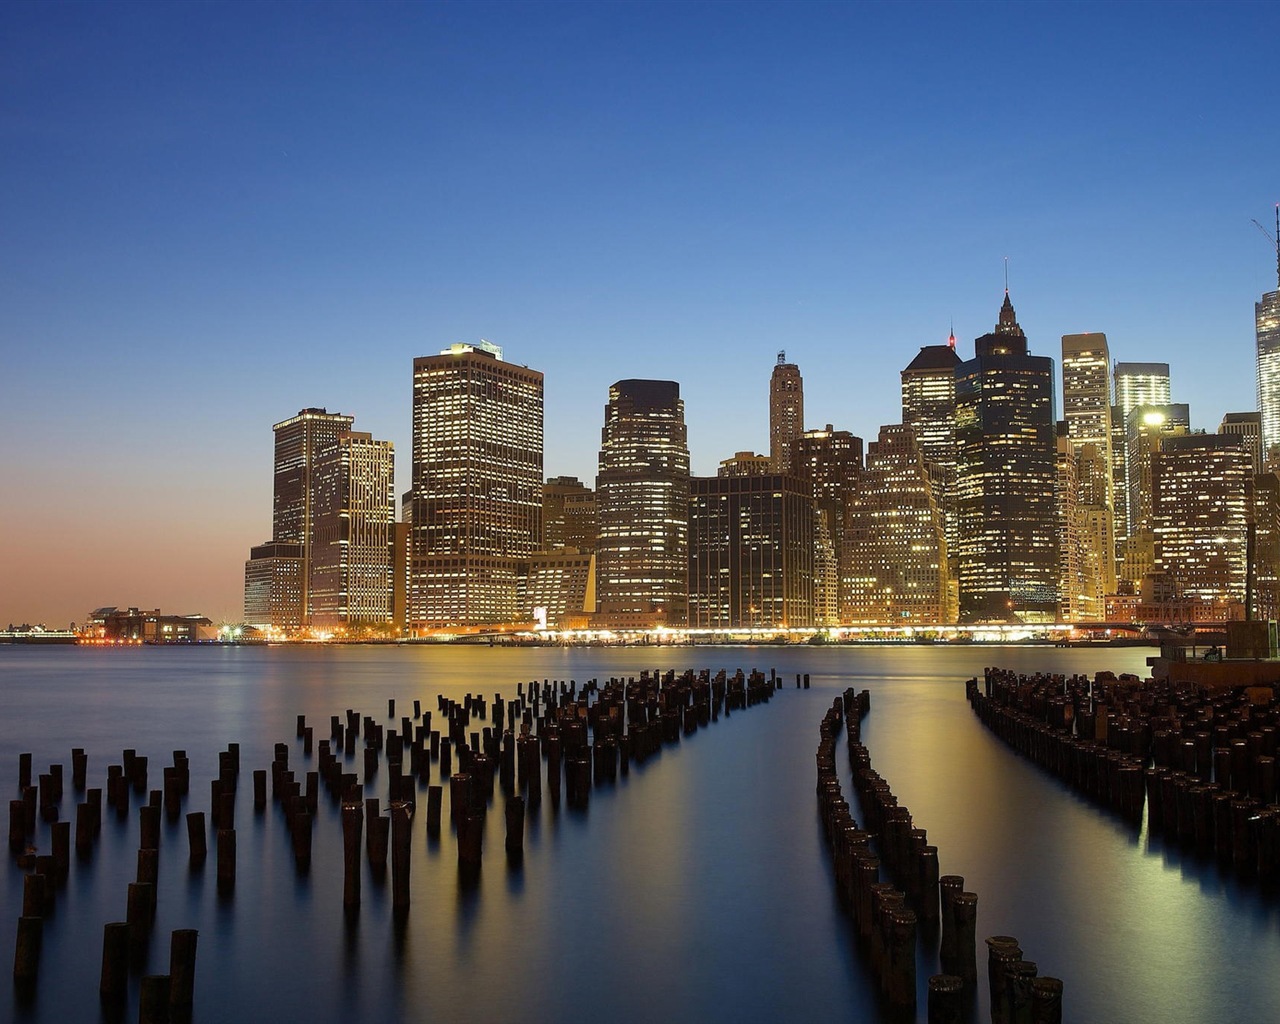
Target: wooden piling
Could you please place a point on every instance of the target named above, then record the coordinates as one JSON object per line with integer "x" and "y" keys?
{"x": 153, "y": 999}
{"x": 401, "y": 833}
{"x": 352, "y": 826}
{"x": 182, "y": 972}
{"x": 435, "y": 795}
{"x": 138, "y": 912}
{"x": 113, "y": 985}
{"x": 226, "y": 859}
{"x": 515, "y": 825}
{"x": 946, "y": 999}
{"x": 196, "y": 842}
{"x": 26, "y": 952}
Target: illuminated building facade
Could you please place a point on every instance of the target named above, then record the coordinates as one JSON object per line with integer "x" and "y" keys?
{"x": 642, "y": 493}
{"x": 273, "y": 586}
{"x": 1086, "y": 408}
{"x": 1135, "y": 384}
{"x": 831, "y": 461}
{"x": 569, "y": 514}
{"x": 298, "y": 443}
{"x": 894, "y": 568}
{"x": 786, "y": 412}
{"x": 559, "y": 588}
{"x": 929, "y": 408}
{"x": 1147, "y": 426}
{"x": 746, "y": 464}
{"x": 1200, "y": 513}
{"x": 750, "y": 552}
{"x": 1267, "y": 326}
{"x": 1265, "y": 497}
{"x": 353, "y": 547}
{"x": 476, "y": 514}
{"x": 1248, "y": 427}
{"x": 1006, "y": 456}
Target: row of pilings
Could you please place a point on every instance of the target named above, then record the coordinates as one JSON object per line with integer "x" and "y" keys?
{"x": 913, "y": 905}
{"x": 1203, "y": 765}
{"x": 554, "y": 737}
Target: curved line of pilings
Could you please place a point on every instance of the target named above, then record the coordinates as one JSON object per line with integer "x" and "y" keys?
{"x": 891, "y": 916}
{"x": 586, "y": 736}
{"x": 1202, "y": 763}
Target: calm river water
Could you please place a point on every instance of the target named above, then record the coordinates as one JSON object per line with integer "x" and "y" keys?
{"x": 695, "y": 889}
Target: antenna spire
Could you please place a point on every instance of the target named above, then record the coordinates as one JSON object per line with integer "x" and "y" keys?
{"x": 1006, "y": 275}
{"x": 951, "y": 341}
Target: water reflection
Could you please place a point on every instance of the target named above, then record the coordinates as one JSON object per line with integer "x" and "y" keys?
{"x": 696, "y": 888}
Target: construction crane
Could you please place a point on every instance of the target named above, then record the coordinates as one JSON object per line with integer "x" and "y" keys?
{"x": 1274, "y": 241}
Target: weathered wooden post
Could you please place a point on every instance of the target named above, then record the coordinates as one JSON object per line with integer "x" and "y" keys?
{"x": 26, "y": 952}
{"x": 1046, "y": 994}
{"x": 153, "y": 999}
{"x": 946, "y": 999}
{"x": 114, "y": 981}
{"x": 226, "y": 859}
{"x": 400, "y": 837}
{"x": 515, "y": 826}
{"x": 196, "y": 838}
{"x": 352, "y": 826}
{"x": 182, "y": 972}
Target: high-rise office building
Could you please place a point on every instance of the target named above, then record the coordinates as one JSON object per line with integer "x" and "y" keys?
{"x": 1135, "y": 384}
{"x": 786, "y": 412}
{"x": 1266, "y": 318}
{"x": 750, "y": 552}
{"x": 1200, "y": 514}
{"x": 298, "y": 442}
{"x": 746, "y": 464}
{"x": 831, "y": 460}
{"x": 1086, "y": 390}
{"x": 1248, "y": 427}
{"x": 353, "y": 545}
{"x": 894, "y": 568}
{"x": 273, "y": 586}
{"x": 929, "y": 408}
{"x": 569, "y": 514}
{"x": 642, "y": 495}
{"x": 1006, "y": 455}
{"x": 477, "y": 485}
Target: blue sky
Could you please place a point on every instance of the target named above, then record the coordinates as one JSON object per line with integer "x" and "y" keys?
{"x": 216, "y": 214}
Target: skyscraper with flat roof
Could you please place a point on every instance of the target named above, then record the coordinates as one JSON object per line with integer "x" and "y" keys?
{"x": 477, "y": 485}
{"x": 786, "y": 412}
{"x": 642, "y": 497}
{"x": 298, "y": 443}
{"x": 352, "y": 550}
{"x": 929, "y": 408}
{"x": 751, "y": 551}
{"x": 1135, "y": 384}
{"x": 1006, "y": 455}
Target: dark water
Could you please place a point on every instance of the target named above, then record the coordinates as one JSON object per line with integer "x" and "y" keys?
{"x": 696, "y": 889}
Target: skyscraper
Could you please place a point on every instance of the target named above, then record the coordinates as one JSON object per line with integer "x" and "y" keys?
{"x": 786, "y": 412}
{"x": 298, "y": 442}
{"x": 477, "y": 485}
{"x": 642, "y": 495}
{"x": 1266, "y": 318}
{"x": 751, "y": 551}
{"x": 831, "y": 461}
{"x": 352, "y": 548}
{"x": 929, "y": 408}
{"x": 1135, "y": 384}
{"x": 1148, "y": 427}
{"x": 569, "y": 514}
{"x": 273, "y": 586}
{"x": 1086, "y": 407}
{"x": 894, "y": 567}
{"x": 1086, "y": 390}
{"x": 1200, "y": 514}
{"x": 1005, "y": 475}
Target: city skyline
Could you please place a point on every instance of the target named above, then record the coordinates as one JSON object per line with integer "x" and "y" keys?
{"x": 226, "y": 236}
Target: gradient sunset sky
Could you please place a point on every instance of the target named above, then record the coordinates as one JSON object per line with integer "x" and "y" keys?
{"x": 215, "y": 215}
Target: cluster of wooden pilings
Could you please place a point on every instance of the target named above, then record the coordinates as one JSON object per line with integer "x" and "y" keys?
{"x": 168, "y": 997}
{"x": 584, "y": 736}
{"x": 1203, "y": 764}
{"x": 914, "y": 903}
